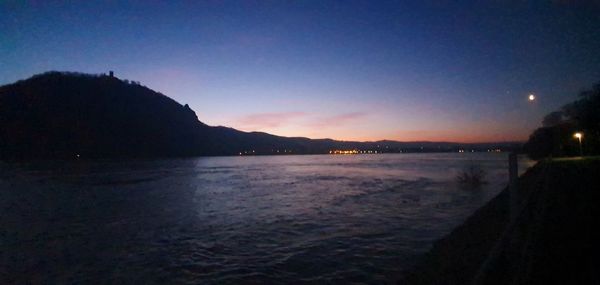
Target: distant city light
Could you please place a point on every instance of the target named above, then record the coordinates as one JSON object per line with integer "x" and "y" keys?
{"x": 352, "y": 151}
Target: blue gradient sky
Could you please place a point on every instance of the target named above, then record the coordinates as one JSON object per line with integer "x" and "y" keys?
{"x": 349, "y": 70}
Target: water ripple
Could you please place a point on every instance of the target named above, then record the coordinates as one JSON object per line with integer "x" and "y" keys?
{"x": 231, "y": 220}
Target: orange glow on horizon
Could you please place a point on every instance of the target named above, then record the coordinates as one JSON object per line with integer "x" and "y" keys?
{"x": 368, "y": 126}
{"x": 412, "y": 136}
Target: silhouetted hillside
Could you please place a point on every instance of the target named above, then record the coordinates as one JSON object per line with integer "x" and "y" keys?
{"x": 65, "y": 114}
{"x": 69, "y": 115}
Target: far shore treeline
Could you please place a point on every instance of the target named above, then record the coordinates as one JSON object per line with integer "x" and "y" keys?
{"x": 556, "y": 137}
{"x": 69, "y": 115}
{"x": 73, "y": 115}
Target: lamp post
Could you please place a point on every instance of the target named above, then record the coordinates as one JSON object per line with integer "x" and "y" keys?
{"x": 514, "y": 202}
{"x": 579, "y": 135}
{"x": 513, "y": 175}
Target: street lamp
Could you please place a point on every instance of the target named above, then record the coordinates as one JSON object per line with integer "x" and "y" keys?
{"x": 531, "y": 97}
{"x": 579, "y": 135}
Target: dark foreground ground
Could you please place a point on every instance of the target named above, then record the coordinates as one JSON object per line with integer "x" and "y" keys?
{"x": 554, "y": 240}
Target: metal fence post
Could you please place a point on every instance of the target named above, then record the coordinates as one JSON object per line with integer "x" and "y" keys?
{"x": 513, "y": 193}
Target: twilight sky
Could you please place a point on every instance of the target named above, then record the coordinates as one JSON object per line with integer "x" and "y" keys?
{"x": 351, "y": 70}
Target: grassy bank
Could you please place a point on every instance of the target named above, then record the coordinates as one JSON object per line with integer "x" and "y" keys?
{"x": 550, "y": 242}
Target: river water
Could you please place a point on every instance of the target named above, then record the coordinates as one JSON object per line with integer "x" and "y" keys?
{"x": 219, "y": 220}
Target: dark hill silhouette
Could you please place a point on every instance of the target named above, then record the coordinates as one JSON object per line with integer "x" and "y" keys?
{"x": 64, "y": 114}
{"x": 69, "y": 115}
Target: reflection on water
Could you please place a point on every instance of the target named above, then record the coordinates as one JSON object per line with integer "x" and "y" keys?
{"x": 220, "y": 220}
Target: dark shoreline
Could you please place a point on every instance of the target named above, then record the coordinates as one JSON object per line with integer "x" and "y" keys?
{"x": 456, "y": 256}
{"x": 559, "y": 208}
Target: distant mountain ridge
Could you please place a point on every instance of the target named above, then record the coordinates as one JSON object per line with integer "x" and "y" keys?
{"x": 68, "y": 115}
